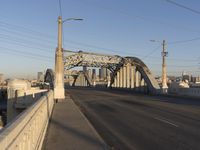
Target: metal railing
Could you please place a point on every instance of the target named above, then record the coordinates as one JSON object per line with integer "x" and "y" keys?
{"x": 27, "y": 131}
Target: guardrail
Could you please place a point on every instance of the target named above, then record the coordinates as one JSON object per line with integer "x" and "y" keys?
{"x": 28, "y": 130}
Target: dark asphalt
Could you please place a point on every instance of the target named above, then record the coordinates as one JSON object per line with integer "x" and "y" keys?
{"x": 141, "y": 122}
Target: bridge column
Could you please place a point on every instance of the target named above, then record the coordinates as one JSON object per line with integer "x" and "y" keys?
{"x": 115, "y": 82}
{"x": 136, "y": 79}
{"x": 118, "y": 78}
{"x": 59, "y": 91}
{"x": 84, "y": 81}
{"x": 81, "y": 79}
{"x": 128, "y": 75}
{"x": 121, "y": 78}
{"x": 132, "y": 76}
{"x": 142, "y": 85}
{"x": 109, "y": 78}
{"x": 124, "y": 77}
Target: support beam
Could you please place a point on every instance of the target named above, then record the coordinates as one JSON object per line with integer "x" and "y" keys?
{"x": 121, "y": 78}
{"x": 132, "y": 77}
{"x": 115, "y": 82}
{"x": 136, "y": 79}
{"x": 128, "y": 75}
{"x": 118, "y": 79}
{"x": 124, "y": 77}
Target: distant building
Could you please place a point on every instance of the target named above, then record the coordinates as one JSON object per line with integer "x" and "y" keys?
{"x": 89, "y": 72}
{"x": 1, "y": 78}
{"x": 100, "y": 73}
{"x": 185, "y": 77}
{"x": 104, "y": 72}
{"x": 93, "y": 74}
{"x": 40, "y": 77}
{"x": 84, "y": 69}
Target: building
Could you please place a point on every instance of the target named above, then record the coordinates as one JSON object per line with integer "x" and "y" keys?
{"x": 40, "y": 77}
{"x": 84, "y": 69}
{"x": 93, "y": 74}
{"x": 1, "y": 79}
{"x": 103, "y": 73}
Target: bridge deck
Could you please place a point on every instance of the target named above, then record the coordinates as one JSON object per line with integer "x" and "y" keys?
{"x": 69, "y": 129}
{"x": 128, "y": 120}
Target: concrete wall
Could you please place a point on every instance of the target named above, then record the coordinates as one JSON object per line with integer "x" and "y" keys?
{"x": 21, "y": 100}
{"x": 194, "y": 92}
{"x": 27, "y": 131}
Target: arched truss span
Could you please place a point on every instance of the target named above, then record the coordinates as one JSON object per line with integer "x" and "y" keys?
{"x": 49, "y": 78}
{"x": 124, "y": 70}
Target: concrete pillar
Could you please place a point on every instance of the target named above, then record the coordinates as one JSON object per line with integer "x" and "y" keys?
{"x": 121, "y": 77}
{"x": 128, "y": 75}
{"x": 164, "y": 70}
{"x": 118, "y": 78}
{"x": 59, "y": 92}
{"x": 115, "y": 82}
{"x": 142, "y": 82}
{"x": 136, "y": 79}
{"x": 109, "y": 82}
{"x": 124, "y": 77}
{"x": 142, "y": 85}
{"x": 132, "y": 76}
{"x": 84, "y": 81}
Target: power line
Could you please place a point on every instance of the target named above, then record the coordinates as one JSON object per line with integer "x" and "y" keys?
{"x": 183, "y": 6}
{"x": 22, "y": 33}
{"x": 185, "y": 41}
{"x": 60, "y": 7}
{"x": 39, "y": 35}
{"x": 140, "y": 17}
{"x": 28, "y": 30}
{"x": 23, "y": 45}
{"x": 4, "y": 36}
{"x": 153, "y": 51}
{"x": 26, "y": 53}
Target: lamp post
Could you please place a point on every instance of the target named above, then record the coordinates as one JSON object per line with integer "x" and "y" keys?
{"x": 59, "y": 91}
{"x": 164, "y": 67}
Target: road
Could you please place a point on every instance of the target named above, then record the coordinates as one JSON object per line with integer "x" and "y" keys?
{"x": 141, "y": 122}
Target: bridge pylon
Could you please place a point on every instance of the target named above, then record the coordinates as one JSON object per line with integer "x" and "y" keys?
{"x": 59, "y": 91}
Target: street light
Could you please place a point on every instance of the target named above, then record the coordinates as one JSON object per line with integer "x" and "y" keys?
{"x": 164, "y": 70}
{"x": 76, "y": 19}
{"x": 59, "y": 91}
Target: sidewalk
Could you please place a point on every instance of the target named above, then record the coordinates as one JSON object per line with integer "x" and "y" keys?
{"x": 70, "y": 130}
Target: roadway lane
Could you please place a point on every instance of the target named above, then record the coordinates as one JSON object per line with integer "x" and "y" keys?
{"x": 133, "y": 121}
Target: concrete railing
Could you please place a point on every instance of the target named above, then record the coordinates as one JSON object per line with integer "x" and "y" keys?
{"x": 28, "y": 130}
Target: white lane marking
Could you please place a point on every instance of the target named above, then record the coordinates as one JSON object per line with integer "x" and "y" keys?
{"x": 165, "y": 121}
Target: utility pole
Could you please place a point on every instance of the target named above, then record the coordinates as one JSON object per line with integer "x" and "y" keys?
{"x": 164, "y": 71}
{"x": 59, "y": 92}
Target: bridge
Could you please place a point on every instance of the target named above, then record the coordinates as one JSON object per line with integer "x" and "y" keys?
{"x": 129, "y": 113}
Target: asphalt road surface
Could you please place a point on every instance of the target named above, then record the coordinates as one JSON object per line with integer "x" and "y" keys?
{"x": 141, "y": 122}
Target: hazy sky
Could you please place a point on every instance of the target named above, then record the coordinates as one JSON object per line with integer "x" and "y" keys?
{"x": 28, "y": 32}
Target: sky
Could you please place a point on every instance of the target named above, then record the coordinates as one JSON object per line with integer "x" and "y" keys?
{"x": 28, "y": 33}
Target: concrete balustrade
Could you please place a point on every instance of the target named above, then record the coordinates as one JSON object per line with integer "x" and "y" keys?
{"x": 132, "y": 77}
{"x": 27, "y": 131}
{"x": 118, "y": 78}
{"x": 128, "y": 75}
{"x": 124, "y": 77}
{"x": 121, "y": 77}
{"x": 137, "y": 79}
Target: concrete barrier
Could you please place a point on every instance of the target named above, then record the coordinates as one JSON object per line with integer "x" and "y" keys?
{"x": 193, "y": 92}
{"x": 27, "y": 131}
